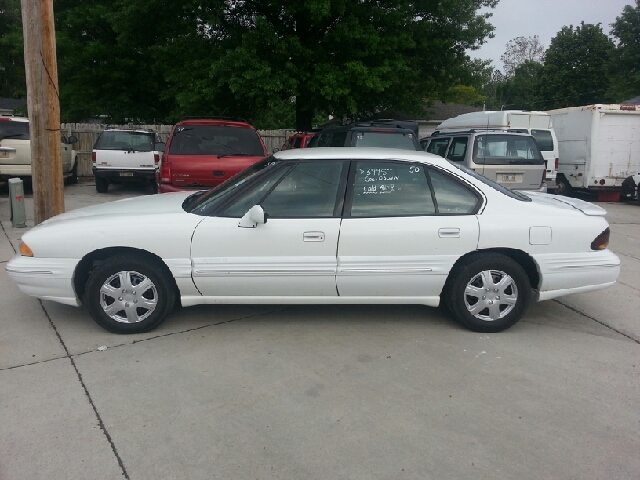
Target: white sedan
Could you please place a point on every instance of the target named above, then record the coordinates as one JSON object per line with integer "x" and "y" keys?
{"x": 323, "y": 225}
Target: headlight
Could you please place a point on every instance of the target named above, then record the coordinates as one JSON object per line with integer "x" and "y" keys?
{"x": 25, "y": 250}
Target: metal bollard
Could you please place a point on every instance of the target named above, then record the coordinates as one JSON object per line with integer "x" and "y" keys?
{"x": 16, "y": 200}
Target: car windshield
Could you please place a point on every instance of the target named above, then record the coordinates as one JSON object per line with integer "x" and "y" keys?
{"x": 122, "y": 140}
{"x": 201, "y": 202}
{"x": 510, "y": 193}
{"x": 506, "y": 150}
{"x": 218, "y": 140}
{"x": 385, "y": 139}
{"x": 14, "y": 130}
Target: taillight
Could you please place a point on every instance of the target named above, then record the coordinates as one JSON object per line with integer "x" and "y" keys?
{"x": 156, "y": 158}
{"x": 556, "y": 164}
{"x": 602, "y": 241}
{"x": 93, "y": 157}
{"x": 544, "y": 175}
{"x": 165, "y": 171}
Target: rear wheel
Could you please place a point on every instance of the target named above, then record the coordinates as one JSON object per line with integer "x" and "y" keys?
{"x": 489, "y": 292}
{"x": 102, "y": 185}
{"x": 563, "y": 187}
{"x": 129, "y": 294}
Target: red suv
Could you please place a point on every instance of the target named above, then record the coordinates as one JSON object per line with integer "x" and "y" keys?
{"x": 298, "y": 140}
{"x": 204, "y": 152}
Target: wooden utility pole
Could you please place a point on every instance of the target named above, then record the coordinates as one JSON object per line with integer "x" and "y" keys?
{"x": 44, "y": 108}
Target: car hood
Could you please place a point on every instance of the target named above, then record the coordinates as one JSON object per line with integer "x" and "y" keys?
{"x": 565, "y": 202}
{"x": 149, "y": 204}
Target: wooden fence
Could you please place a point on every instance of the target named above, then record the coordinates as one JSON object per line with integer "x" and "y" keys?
{"x": 87, "y": 134}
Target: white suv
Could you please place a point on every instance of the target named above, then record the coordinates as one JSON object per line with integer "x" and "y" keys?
{"x": 15, "y": 150}
{"x": 122, "y": 155}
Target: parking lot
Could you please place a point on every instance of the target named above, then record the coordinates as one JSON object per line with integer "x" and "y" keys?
{"x": 322, "y": 392}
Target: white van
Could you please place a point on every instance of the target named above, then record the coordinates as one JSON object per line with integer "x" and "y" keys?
{"x": 536, "y": 124}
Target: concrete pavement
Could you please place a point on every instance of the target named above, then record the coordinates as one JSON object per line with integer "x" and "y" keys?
{"x": 323, "y": 392}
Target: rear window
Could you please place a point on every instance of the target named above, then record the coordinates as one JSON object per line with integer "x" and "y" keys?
{"x": 215, "y": 140}
{"x": 390, "y": 139}
{"x": 506, "y": 150}
{"x": 544, "y": 139}
{"x": 117, "y": 140}
{"x": 14, "y": 130}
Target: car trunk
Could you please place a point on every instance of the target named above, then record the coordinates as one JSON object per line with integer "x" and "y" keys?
{"x": 205, "y": 171}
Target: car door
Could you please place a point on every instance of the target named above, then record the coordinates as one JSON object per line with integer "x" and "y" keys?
{"x": 292, "y": 254}
{"x": 403, "y": 230}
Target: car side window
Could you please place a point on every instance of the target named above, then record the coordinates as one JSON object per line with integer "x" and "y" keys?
{"x": 458, "y": 149}
{"x": 338, "y": 139}
{"x": 438, "y": 146}
{"x": 384, "y": 189}
{"x": 252, "y": 196}
{"x": 308, "y": 190}
{"x": 452, "y": 197}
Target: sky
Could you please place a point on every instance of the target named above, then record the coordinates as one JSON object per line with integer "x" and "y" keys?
{"x": 545, "y": 18}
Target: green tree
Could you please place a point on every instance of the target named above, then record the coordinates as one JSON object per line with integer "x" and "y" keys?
{"x": 625, "y": 64}
{"x": 345, "y": 57}
{"x": 12, "y": 76}
{"x": 575, "y": 68}
{"x": 521, "y": 50}
{"x": 520, "y": 91}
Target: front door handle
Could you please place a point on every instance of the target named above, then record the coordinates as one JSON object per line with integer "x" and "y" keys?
{"x": 313, "y": 236}
{"x": 449, "y": 233}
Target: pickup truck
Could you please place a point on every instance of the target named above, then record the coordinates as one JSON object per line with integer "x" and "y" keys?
{"x": 122, "y": 155}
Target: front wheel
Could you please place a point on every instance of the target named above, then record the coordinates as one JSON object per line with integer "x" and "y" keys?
{"x": 129, "y": 294}
{"x": 73, "y": 179}
{"x": 489, "y": 292}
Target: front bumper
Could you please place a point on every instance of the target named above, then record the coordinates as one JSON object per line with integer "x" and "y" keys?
{"x": 45, "y": 278}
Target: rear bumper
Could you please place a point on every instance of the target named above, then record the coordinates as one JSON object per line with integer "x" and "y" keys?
{"x": 124, "y": 174}
{"x": 169, "y": 188}
{"x": 564, "y": 274}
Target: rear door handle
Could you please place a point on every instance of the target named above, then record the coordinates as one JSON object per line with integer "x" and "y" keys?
{"x": 449, "y": 233}
{"x": 313, "y": 236}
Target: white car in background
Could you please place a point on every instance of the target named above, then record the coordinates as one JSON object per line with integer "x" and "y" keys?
{"x": 323, "y": 226}
{"x": 126, "y": 155}
{"x": 15, "y": 150}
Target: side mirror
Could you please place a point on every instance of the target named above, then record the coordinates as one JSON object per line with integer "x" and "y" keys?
{"x": 72, "y": 139}
{"x": 276, "y": 150}
{"x": 254, "y": 217}
{"x": 160, "y": 146}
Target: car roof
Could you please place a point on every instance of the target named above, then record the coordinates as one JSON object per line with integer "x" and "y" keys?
{"x": 360, "y": 153}
{"x": 129, "y": 130}
{"x": 216, "y": 121}
{"x": 475, "y": 132}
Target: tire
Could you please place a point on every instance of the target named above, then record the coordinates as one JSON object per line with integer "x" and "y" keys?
{"x": 73, "y": 179}
{"x": 489, "y": 292}
{"x": 153, "y": 187}
{"x": 102, "y": 185}
{"x": 114, "y": 287}
{"x": 563, "y": 187}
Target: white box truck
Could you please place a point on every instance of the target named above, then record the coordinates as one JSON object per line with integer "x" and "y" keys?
{"x": 599, "y": 148}
{"x": 537, "y": 124}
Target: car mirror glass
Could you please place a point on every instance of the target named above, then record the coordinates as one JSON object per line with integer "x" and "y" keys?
{"x": 72, "y": 139}
{"x": 254, "y": 217}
